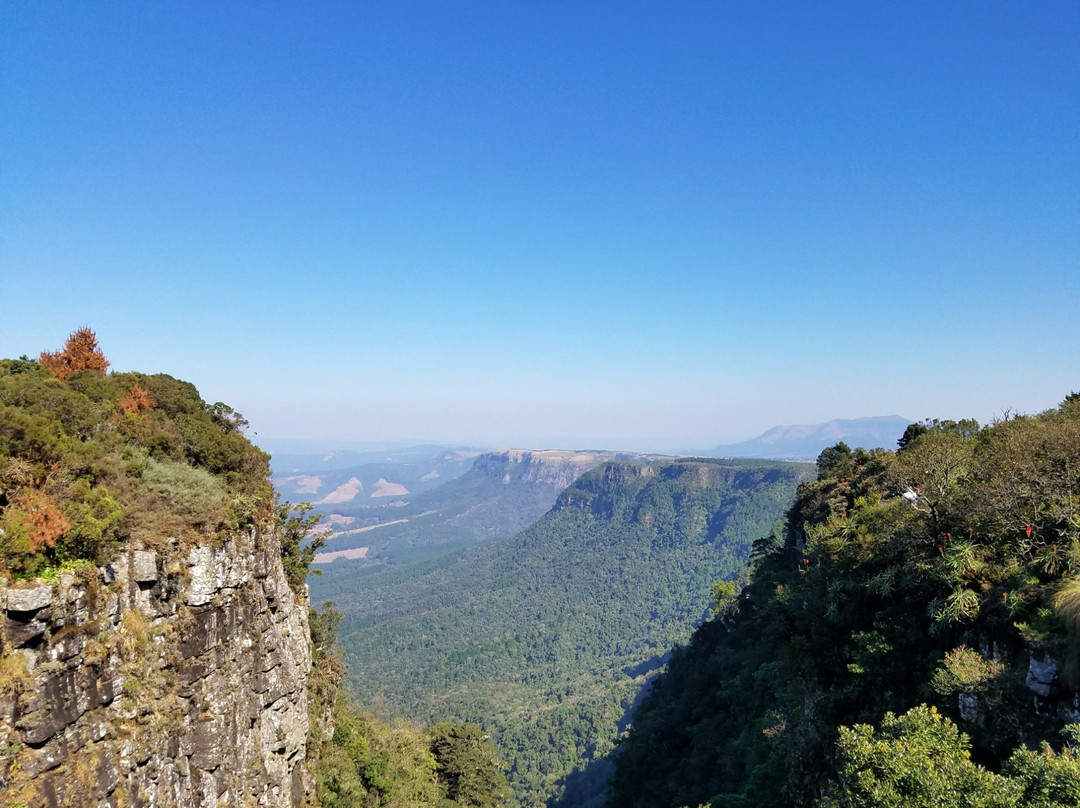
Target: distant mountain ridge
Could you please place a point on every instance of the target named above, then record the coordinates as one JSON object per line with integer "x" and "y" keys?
{"x": 340, "y": 459}
{"x": 348, "y": 476}
{"x": 553, "y": 466}
{"x": 501, "y": 493}
{"x": 806, "y": 441}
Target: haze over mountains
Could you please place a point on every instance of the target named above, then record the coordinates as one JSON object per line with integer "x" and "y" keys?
{"x": 781, "y": 442}
{"x": 500, "y": 494}
{"x": 381, "y": 502}
{"x": 806, "y": 441}
{"x": 372, "y": 478}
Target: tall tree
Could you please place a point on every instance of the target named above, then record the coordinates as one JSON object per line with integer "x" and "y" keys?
{"x": 81, "y": 352}
{"x": 468, "y": 766}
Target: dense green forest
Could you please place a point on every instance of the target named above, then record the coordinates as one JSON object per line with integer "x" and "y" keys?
{"x": 910, "y": 640}
{"x": 546, "y": 638}
{"x": 362, "y": 761}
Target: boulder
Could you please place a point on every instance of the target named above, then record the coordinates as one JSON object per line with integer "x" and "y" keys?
{"x": 29, "y": 599}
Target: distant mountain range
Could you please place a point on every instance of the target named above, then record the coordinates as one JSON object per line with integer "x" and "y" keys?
{"x": 297, "y": 463}
{"x": 806, "y": 441}
{"x": 501, "y": 493}
{"x": 342, "y": 458}
{"x": 369, "y": 485}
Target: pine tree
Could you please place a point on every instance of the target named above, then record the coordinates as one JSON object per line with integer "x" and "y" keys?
{"x": 80, "y": 352}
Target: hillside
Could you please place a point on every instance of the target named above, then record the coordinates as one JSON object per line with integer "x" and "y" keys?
{"x": 946, "y": 574}
{"x": 368, "y": 478}
{"x": 546, "y": 637}
{"x": 501, "y": 493}
{"x": 155, "y": 636}
{"x": 806, "y": 441}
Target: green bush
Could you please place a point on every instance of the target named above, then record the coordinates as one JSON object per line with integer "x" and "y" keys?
{"x": 192, "y": 494}
{"x": 79, "y": 476}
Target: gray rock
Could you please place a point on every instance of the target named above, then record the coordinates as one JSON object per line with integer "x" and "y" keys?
{"x": 144, "y": 566}
{"x": 202, "y": 586}
{"x": 969, "y": 708}
{"x": 18, "y": 633}
{"x": 1041, "y": 675}
{"x": 117, "y": 571}
{"x": 260, "y": 564}
{"x": 207, "y": 743}
{"x": 29, "y": 600}
{"x": 207, "y": 702}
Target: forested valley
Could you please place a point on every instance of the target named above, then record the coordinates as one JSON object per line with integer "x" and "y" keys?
{"x": 910, "y": 636}
{"x": 547, "y": 637}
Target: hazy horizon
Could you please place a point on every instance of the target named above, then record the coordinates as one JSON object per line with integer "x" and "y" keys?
{"x": 658, "y": 445}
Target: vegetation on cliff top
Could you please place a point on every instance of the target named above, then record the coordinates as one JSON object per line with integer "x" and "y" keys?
{"x": 946, "y": 573}
{"x": 90, "y": 461}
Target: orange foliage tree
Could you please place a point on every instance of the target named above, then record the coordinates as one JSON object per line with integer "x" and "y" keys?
{"x": 43, "y": 521}
{"x": 80, "y": 352}
{"x": 136, "y": 401}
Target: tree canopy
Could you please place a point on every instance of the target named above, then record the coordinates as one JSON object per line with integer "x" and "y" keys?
{"x": 945, "y": 573}
{"x": 81, "y": 352}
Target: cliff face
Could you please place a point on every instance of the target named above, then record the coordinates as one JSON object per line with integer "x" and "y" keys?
{"x": 615, "y": 486}
{"x": 558, "y": 469}
{"x": 174, "y": 678}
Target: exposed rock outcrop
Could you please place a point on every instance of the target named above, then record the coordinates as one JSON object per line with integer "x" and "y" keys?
{"x": 164, "y": 679}
{"x": 1041, "y": 674}
{"x": 556, "y": 468}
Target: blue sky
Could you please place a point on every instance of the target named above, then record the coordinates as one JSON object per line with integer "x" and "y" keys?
{"x": 626, "y": 222}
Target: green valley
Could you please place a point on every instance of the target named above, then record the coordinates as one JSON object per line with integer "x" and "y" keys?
{"x": 895, "y": 628}
{"x": 546, "y": 638}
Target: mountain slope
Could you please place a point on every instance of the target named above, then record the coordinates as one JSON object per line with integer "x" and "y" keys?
{"x": 547, "y": 636}
{"x": 946, "y": 572}
{"x": 370, "y": 478}
{"x": 806, "y": 441}
{"x": 502, "y": 492}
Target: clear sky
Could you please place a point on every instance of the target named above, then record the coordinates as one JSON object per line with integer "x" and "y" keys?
{"x": 505, "y": 222}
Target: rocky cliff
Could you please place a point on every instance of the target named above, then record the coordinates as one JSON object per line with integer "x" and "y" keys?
{"x": 553, "y": 467}
{"x": 171, "y": 678}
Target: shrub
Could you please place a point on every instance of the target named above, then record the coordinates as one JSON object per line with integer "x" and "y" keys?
{"x": 194, "y": 495}
{"x": 135, "y": 401}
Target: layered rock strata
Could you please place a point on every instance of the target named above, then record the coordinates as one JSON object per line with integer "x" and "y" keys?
{"x": 175, "y": 678}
